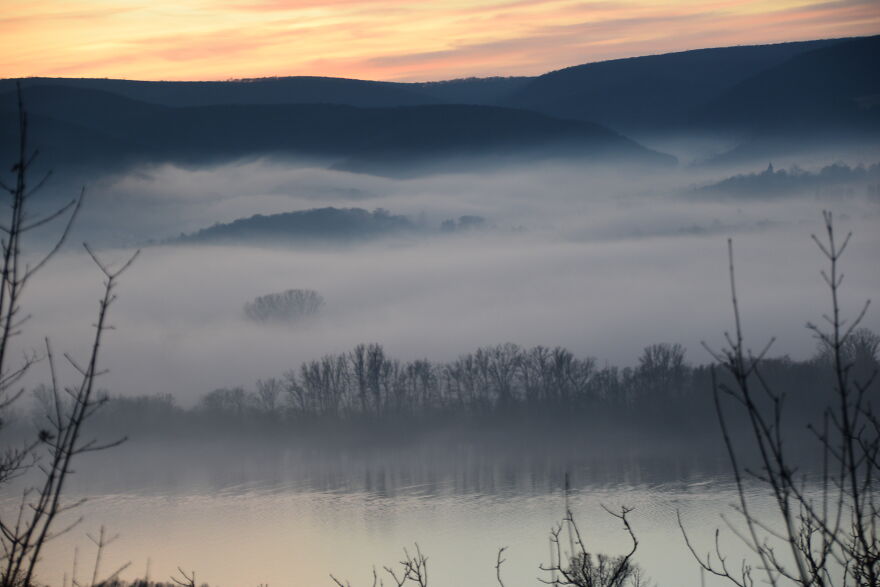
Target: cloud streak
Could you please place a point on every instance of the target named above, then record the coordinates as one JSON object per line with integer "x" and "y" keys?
{"x": 389, "y": 39}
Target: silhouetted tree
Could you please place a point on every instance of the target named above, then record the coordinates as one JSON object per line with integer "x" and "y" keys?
{"x": 823, "y": 539}
{"x": 661, "y": 371}
{"x": 60, "y": 438}
{"x": 413, "y": 569}
{"x": 268, "y": 395}
{"x": 227, "y": 401}
{"x": 288, "y": 306}
{"x": 578, "y": 567}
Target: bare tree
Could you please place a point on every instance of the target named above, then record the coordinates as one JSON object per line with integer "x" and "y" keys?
{"x": 661, "y": 372}
{"x": 23, "y": 537}
{"x": 580, "y": 568}
{"x": 185, "y": 580}
{"x": 291, "y": 305}
{"x": 101, "y": 542}
{"x": 498, "y": 562}
{"x": 413, "y": 569}
{"x": 268, "y": 394}
{"x": 826, "y": 530}
{"x": 16, "y": 273}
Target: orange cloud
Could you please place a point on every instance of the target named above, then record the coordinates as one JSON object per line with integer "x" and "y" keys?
{"x": 389, "y": 39}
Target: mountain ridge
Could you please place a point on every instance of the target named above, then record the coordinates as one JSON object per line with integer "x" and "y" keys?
{"x": 771, "y": 98}
{"x": 335, "y": 132}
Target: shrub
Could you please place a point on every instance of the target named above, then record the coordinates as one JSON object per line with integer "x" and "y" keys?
{"x": 292, "y": 305}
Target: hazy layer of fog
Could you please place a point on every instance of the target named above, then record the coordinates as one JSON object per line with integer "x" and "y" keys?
{"x": 602, "y": 263}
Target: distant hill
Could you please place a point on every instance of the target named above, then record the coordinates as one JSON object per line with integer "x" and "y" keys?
{"x": 284, "y": 90}
{"x": 772, "y": 98}
{"x": 316, "y": 226}
{"x": 418, "y": 139}
{"x": 837, "y": 178}
{"x": 294, "y": 90}
{"x": 121, "y": 130}
{"x": 656, "y": 92}
{"x": 488, "y": 91}
{"x": 827, "y": 96}
{"x": 835, "y": 86}
{"x": 625, "y": 94}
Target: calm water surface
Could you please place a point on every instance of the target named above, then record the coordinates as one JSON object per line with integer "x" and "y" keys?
{"x": 297, "y": 521}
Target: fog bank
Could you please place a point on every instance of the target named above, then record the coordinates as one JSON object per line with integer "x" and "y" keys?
{"x": 600, "y": 263}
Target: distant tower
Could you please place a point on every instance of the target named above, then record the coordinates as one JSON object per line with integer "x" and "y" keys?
{"x": 769, "y": 169}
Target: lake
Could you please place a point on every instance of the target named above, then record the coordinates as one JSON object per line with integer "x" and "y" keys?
{"x": 278, "y": 517}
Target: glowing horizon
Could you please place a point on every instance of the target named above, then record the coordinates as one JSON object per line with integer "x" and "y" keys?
{"x": 389, "y": 40}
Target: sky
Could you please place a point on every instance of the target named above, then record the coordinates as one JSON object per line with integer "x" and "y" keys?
{"x": 393, "y": 40}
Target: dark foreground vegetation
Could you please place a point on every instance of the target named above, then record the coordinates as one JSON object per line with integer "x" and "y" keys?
{"x": 69, "y": 402}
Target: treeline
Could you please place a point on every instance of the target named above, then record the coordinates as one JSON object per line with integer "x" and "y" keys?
{"x": 366, "y": 382}
{"x": 837, "y": 176}
{"x": 303, "y": 226}
{"x": 366, "y": 391}
{"x": 290, "y": 305}
{"x": 325, "y": 226}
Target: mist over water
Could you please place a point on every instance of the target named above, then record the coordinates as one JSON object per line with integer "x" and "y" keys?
{"x": 601, "y": 261}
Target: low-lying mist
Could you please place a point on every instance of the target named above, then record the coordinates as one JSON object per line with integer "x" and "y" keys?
{"x": 603, "y": 262}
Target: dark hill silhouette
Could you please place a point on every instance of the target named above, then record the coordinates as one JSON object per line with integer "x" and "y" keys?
{"x": 294, "y": 90}
{"x": 74, "y": 128}
{"x": 622, "y": 93}
{"x": 836, "y": 86}
{"x": 68, "y": 147}
{"x": 830, "y": 96}
{"x": 380, "y": 137}
{"x": 97, "y": 110}
{"x": 465, "y": 137}
{"x": 774, "y": 98}
{"x": 284, "y": 90}
{"x": 656, "y": 92}
{"x": 315, "y": 226}
{"x": 835, "y": 178}
{"x": 488, "y": 91}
